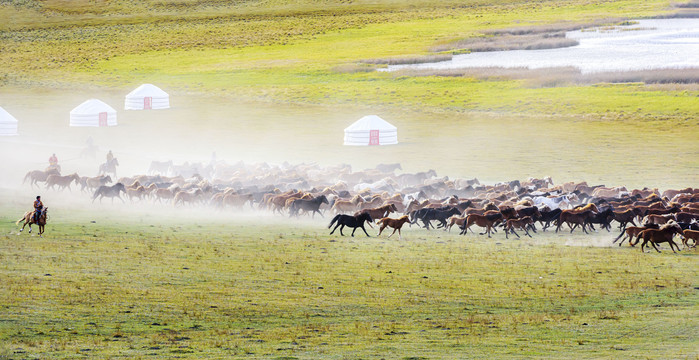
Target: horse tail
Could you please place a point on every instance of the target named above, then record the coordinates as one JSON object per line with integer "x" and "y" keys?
{"x": 23, "y": 218}
{"x": 336, "y": 218}
{"x": 26, "y": 177}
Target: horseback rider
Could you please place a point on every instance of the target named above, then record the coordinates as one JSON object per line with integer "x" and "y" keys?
{"x": 110, "y": 157}
{"x": 53, "y": 160}
{"x": 38, "y": 206}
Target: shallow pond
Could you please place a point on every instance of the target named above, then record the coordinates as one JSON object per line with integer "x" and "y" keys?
{"x": 645, "y": 45}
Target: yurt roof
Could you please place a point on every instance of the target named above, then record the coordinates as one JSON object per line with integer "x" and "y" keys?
{"x": 6, "y": 117}
{"x": 370, "y": 122}
{"x": 147, "y": 90}
{"x": 92, "y": 106}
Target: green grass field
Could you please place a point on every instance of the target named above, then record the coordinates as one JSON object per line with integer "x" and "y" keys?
{"x": 280, "y": 80}
{"x": 109, "y": 285}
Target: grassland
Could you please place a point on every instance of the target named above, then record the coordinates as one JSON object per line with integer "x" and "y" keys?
{"x": 251, "y": 80}
{"x": 282, "y": 53}
{"x": 190, "y": 285}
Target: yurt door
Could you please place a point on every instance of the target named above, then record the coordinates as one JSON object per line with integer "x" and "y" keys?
{"x": 373, "y": 137}
{"x": 103, "y": 119}
{"x": 147, "y": 103}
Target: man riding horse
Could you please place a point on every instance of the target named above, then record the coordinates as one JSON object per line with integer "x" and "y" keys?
{"x": 38, "y": 206}
{"x": 53, "y": 160}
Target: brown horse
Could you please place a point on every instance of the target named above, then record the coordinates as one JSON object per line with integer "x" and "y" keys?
{"x": 396, "y": 224}
{"x": 379, "y": 212}
{"x": 455, "y": 220}
{"x": 521, "y": 223}
{"x": 690, "y": 234}
{"x": 576, "y": 218}
{"x": 63, "y": 182}
{"x": 37, "y": 176}
{"x": 486, "y": 221}
{"x": 664, "y": 234}
{"x": 28, "y": 219}
{"x": 629, "y": 233}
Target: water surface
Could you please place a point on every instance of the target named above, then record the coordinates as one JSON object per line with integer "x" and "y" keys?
{"x": 647, "y": 45}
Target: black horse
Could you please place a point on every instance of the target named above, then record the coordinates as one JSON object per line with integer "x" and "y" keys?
{"x": 307, "y": 205}
{"x": 547, "y": 217}
{"x": 603, "y": 218}
{"x": 354, "y": 222}
{"x": 426, "y": 215}
{"x": 109, "y": 191}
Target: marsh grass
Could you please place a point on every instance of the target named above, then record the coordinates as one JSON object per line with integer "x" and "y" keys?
{"x": 197, "y": 288}
{"x": 409, "y": 60}
{"x": 547, "y": 36}
{"x": 564, "y": 76}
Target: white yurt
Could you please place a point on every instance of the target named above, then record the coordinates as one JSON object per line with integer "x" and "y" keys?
{"x": 93, "y": 112}
{"x": 371, "y": 130}
{"x": 146, "y": 97}
{"x": 8, "y": 124}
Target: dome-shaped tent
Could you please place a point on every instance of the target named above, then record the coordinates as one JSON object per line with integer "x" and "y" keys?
{"x": 8, "y": 124}
{"x": 371, "y": 130}
{"x": 93, "y": 112}
{"x": 147, "y": 97}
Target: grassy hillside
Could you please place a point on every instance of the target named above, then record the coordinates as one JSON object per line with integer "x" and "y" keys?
{"x": 308, "y": 52}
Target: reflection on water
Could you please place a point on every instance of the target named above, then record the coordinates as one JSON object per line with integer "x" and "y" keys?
{"x": 649, "y": 44}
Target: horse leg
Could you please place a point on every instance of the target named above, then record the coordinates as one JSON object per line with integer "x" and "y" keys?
{"x": 367, "y": 234}
{"x": 342, "y": 227}
{"x": 656, "y": 248}
{"x": 622, "y": 240}
{"x": 355, "y": 229}
{"x": 514, "y": 232}
{"x": 507, "y": 232}
{"x": 673, "y": 243}
{"x": 527, "y": 232}
{"x": 400, "y": 237}
{"x": 338, "y": 224}
{"x": 383, "y": 226}
{"x": 394, "y": 231}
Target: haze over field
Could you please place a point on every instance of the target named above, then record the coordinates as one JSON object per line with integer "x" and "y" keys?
{"x": 278, "y": 81}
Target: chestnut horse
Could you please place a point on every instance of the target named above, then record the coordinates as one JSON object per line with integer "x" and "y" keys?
{"x": 379, "y": 212}
{"x": 690, "y": 234}
{"x": 396, "y": 224}
{"x": 29, "y": 220}
{"x": 521, "y": 223}
{"x": 486, "y": 221}
{"x": 664, "y": 234}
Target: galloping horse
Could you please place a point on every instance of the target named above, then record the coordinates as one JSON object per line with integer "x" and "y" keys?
{"x": 664, "y": 234}
{"x": 350, "y": 221}
{"x": 29, "y": 220}
{"x": 109, "y": 191}
{"x": 307, "y": 205}
{"x": 38, "y": 175}
{"x": 396, "y": 224}
{"x": 109, "y": 167}
{"x": 62, "y": 181}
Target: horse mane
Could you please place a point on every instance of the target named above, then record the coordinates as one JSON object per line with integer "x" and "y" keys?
{"x": 668, "y": 225}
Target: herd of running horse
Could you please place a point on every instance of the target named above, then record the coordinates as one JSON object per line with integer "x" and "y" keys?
{"x": 424, "y": 199}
